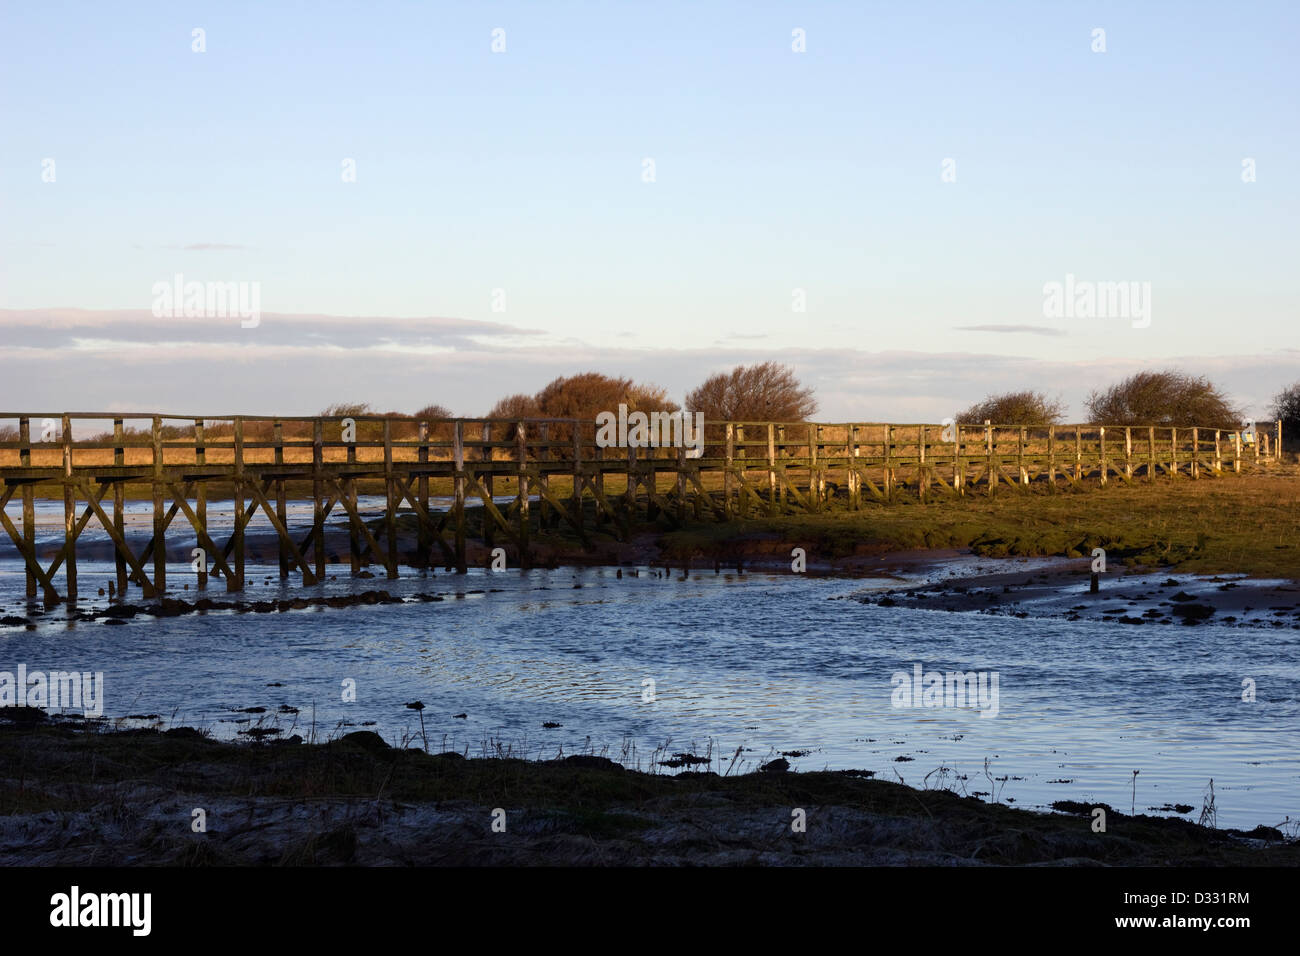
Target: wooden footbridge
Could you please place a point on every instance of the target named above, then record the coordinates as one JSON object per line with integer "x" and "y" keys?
{"x": 552, "y": 471}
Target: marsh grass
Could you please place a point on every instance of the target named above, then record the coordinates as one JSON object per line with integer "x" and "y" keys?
{"x": 1244, "y": 524}
{"x": 366, "y": 782}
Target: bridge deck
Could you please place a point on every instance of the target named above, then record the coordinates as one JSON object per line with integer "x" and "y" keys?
{"x": 558, "y": 465}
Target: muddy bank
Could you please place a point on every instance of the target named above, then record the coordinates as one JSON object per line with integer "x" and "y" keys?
{"x": 78, "y": 797}
{"x": 1129, "y": 597}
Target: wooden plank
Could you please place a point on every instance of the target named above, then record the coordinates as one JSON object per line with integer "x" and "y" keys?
{"x": 28, "y": 555}
{"x": 694, "y": 477}
{"x": 281, "y": 530}
{"x": 425, "y": 519}
{"x": 598, "y": 492}
{"x": 119, "y": 542}
{"x": 475, "y": 485}
{"x": 200, "y": 529}
{"x": 547, "y": 495}
{"x": 347, "y": 498}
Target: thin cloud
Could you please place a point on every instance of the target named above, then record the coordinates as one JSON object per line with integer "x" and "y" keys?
{"x": 127, "y": 330}
{"x": 1027, "y": 329}
{"x": 209, "y": 247}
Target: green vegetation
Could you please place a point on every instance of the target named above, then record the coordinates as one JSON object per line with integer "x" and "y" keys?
{"x": 1164, "y": 398}
{"x": 1242, "y": 524}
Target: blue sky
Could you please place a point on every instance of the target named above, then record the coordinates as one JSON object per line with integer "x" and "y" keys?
{"x": 774, "y": 171}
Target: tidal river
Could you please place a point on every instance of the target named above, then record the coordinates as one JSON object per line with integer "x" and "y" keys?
{"x": 646, "y": 667}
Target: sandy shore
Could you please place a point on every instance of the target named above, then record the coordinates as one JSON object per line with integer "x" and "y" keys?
{"x": 1061, "y": 588}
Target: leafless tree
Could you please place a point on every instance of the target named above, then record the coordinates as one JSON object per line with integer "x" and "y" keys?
{"x": 767, "y": 392}
{"x": 1014, "y": 408}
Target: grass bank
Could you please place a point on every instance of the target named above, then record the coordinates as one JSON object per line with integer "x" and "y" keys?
{"x": 1239, "y": 524}
{"x": 77, "y": 797}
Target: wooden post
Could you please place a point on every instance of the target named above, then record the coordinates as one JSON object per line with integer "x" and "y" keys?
{"x": 1236, "y": 452}
{"x": 781, "y": 450}
{"x": 922, "y": 476}
{"x": 1278, "y": 447}
{"x": 281, "y": 511}
{"x": 119, "y": 507}
{"x": 423, "y": 543}
{"x": 958, "y": 463}
{"x": 649, "y": 477}
{"x": 820, "y": 467}
{"x": 489, "y": 484}
{"x": 1151, "y": 452}
{"x": 771, "y": 467}
{"x": 69, "y": 516}
{"x": 577, "y": 476}
{"x": 988, "y": 452}
{"x": 681, "y": 482}
{"x": 728, "y": 463}
{"x": 458, "y": 465}
{"x": 1196, "y": 453}
{"x": 1078, "y": 453}
{"x": 1020, "y": 458}
{"x": 1128, "y": 452}
{"x": 742, "y": 503}
{"x": 318, "y": 495}
{"x": 629, "y": 492}
{"x": 1101, "y": 446}
{"x": 814, "y": 468}
{"x": 201, "y": 493}
{"x": 544, "y": 479}
{"x": 238, "y": 583}
{"x": 390, "y": 504}
{"x": 889, "y": 462}
{"x": 1051, "y": 457}
{"x": 522, "y": 439}
{"x": 598, "y": 482}
{"x": 1173, "y": 452}
{"x": 1218, "y": 456}
{"x": 29, "y": 501}
{"x": 854, "y": 479}
{"x": 159, "y": 515}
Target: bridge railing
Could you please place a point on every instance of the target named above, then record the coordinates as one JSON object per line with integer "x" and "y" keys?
{"x": 100, "y": 439}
